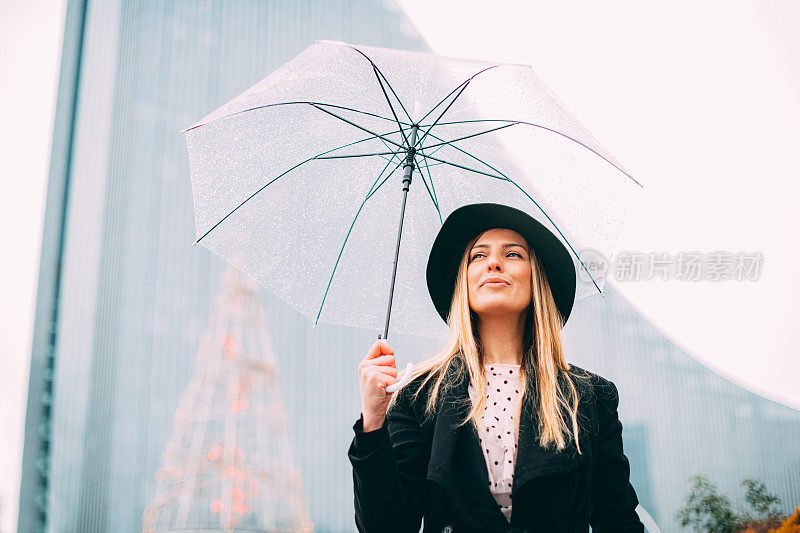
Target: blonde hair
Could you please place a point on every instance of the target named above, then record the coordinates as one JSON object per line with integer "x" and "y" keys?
{"x": 542, "y": 360}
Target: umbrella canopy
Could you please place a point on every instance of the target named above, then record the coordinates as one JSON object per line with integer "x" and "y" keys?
{"x": 298, "y": 181}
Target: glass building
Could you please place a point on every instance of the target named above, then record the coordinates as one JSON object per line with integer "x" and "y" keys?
{"x": 123, "y": 297}
{"x": 679, "y": 417}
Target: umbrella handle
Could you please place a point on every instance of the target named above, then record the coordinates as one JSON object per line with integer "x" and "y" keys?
{"x": 405, "y": 379}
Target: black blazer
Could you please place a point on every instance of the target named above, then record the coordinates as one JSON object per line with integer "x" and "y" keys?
{"x": 413, "y": 467}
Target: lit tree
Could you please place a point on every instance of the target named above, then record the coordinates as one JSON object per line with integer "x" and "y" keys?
{"x": 228, "y": 464}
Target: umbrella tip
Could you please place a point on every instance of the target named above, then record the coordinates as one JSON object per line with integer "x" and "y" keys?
{"x": 632, "y": 178}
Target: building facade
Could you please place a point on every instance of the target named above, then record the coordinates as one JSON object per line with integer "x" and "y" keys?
{"x": 680, "y": 418}
{"x": 123, "y": 296}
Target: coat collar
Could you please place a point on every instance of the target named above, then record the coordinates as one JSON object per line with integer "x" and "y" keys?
{"x": 458, "y": 465}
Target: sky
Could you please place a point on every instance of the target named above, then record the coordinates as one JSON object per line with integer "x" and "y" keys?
{"x": 700, "y": 101}
{"x": 30, "y": 47}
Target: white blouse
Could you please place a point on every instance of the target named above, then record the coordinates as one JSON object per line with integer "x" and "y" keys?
{"x": 498, "y": 433}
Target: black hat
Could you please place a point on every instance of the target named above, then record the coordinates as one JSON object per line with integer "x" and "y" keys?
{"x": 470, "y": 221}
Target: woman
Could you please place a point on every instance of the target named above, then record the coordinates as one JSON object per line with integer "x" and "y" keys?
{"x": 497, "y": 432}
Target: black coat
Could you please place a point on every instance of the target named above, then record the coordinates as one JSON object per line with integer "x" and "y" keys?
{"x": 414, "y": 467}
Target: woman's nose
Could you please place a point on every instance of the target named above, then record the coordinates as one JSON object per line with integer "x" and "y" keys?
{"x": 493, "y": 262}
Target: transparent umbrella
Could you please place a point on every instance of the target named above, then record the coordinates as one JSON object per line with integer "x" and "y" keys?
{"x": 328, "y": 180}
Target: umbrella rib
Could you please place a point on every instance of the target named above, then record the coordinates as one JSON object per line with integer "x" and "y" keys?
{"x": 388, "y": 101}
{"x": 359, "y": 127}
{"x": 430, "y": 178}
{"x": 380, "y": 75}
{"x": 372, "y": 192}
{"x": 503, "y": 178}
{"x": 451, "y": 92}
{"x": 362, "y": 112}
{"x": 453, "y": 101}
{"x": 427, "y": 168}
{"x": 444, "y": 143}
{"x": 479, "y": 160}
{"x": 431, "y": 196}
{"x": 443, "y": 162}
{"x": 357, "y": 155}
{"x": 506, "y": 178}
{"x": 277, "y": 178}
{"x": 302, "y": 102}
{"x": 440, "y": 103}
{"x": 388, "y": 148}
{"x": 433, "y": 164}
{"x": 437, "y": 148}
{"x": 559, "y": 232}
{"x": 386, "y": 145}
{"x": 552, "y": 131}
{"x": 352, "y": 224}
{"x": 395, "y": 94}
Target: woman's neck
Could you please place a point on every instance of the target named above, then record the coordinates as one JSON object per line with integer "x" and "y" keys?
{"x": 501, "y": 339}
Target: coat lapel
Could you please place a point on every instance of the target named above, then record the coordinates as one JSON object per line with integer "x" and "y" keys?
{"x": 458, "y": 465}
{"x": 457, "y": 462}
{"x": 533, "y": 461}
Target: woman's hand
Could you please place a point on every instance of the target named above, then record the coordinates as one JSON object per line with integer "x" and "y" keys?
{"x": 375, "y": 372}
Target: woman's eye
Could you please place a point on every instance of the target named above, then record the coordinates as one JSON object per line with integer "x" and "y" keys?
{"x": 509, "y": 253}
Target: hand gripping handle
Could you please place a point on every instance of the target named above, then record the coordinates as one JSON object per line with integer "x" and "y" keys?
{"x": 406, "y": 375}
{"x": 405, "y": 379}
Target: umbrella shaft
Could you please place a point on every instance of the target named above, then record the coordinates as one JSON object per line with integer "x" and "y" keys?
{"x": 408, "y": 169}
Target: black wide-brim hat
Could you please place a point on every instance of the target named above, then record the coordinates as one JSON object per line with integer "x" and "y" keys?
{"x": 471, "y": 220}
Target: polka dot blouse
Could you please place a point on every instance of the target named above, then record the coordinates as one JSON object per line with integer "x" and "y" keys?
{"x": 498, "y": 433}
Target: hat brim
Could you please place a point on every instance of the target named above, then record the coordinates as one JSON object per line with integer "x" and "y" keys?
{"x": 471, "y": 220}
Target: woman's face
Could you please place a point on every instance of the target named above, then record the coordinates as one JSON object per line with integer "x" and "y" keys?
{"x": 502, "y": 255}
